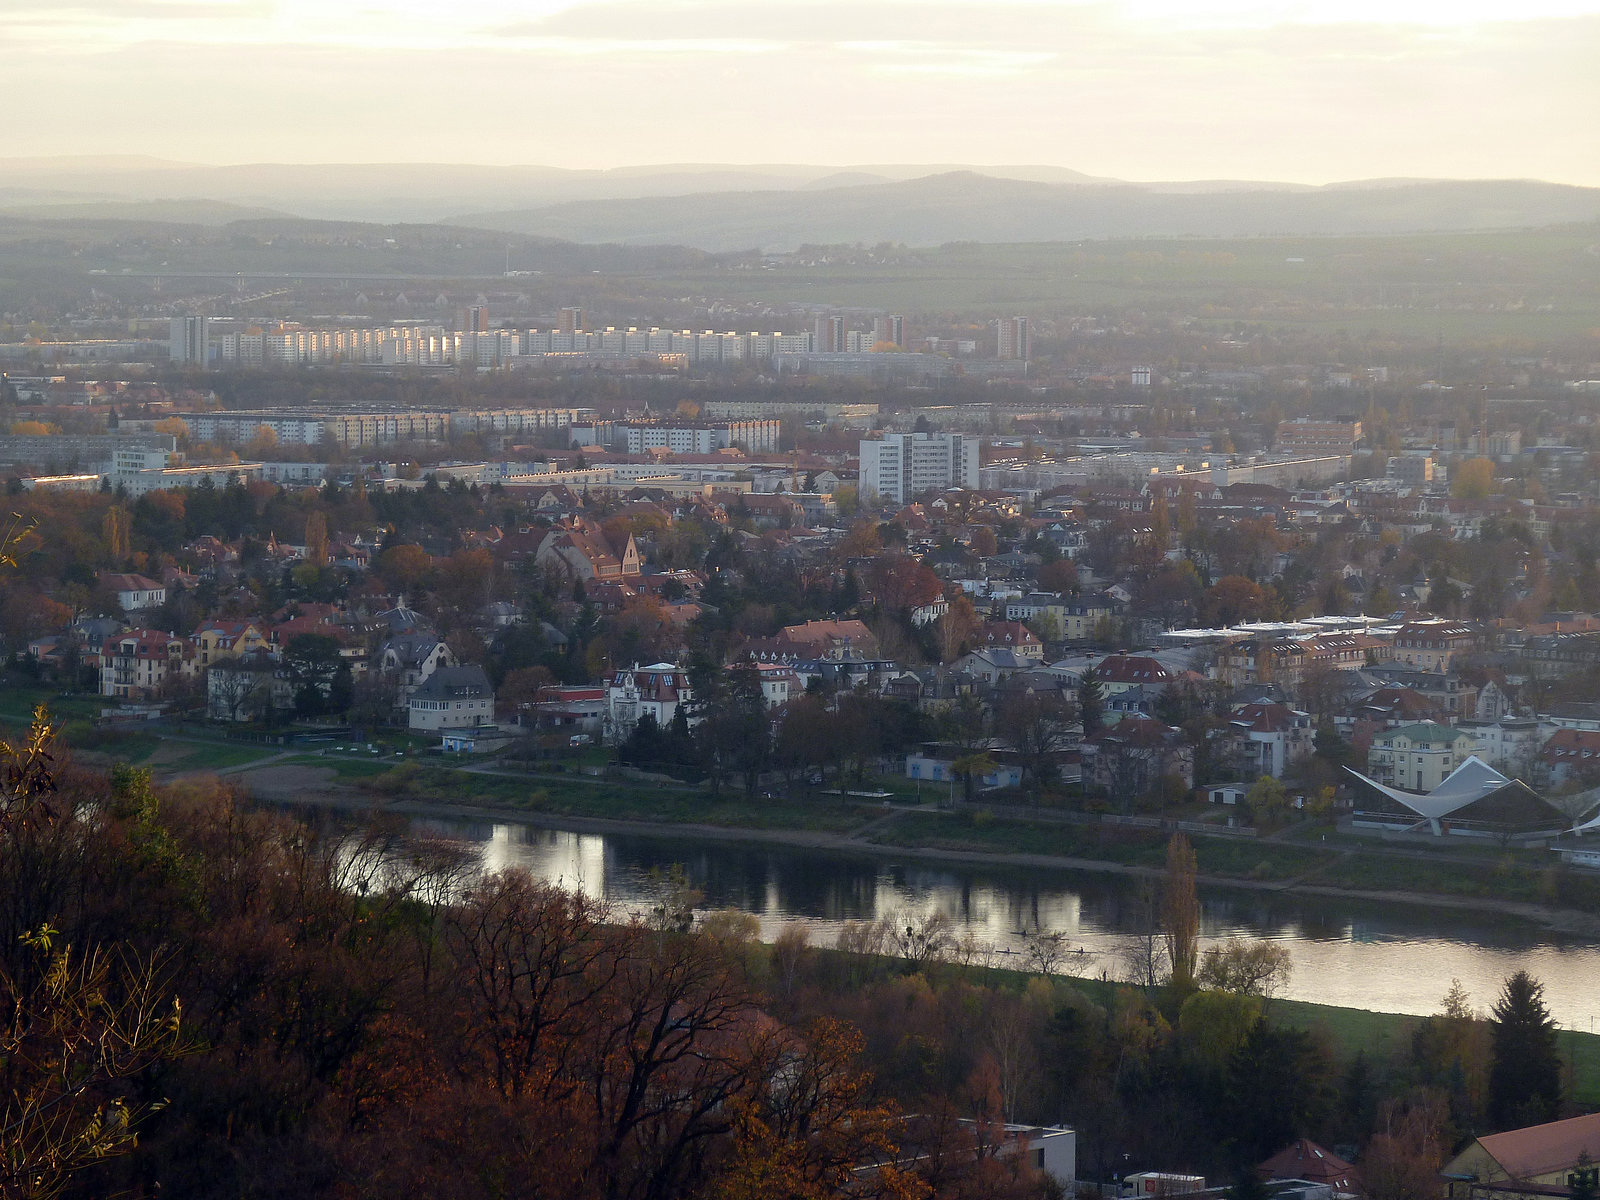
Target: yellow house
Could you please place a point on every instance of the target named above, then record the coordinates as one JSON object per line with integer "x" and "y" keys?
{"x": 218, "y": 640}
{"x": 1418, "y": 758}
{"x": 1523, "y": 1162}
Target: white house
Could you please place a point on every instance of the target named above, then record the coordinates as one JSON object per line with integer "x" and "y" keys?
{"x": 779, "y": 683}
{"x": 656, "y": 691}
{"x": 135, "y": 592}
{"x": 452, "y": 698}
{"x": 410, "y": 658}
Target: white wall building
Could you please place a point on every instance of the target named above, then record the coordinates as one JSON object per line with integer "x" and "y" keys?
{"x": 904, "y": 465}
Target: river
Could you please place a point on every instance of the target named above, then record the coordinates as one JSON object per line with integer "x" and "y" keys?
{"x": 1385, "y": 957}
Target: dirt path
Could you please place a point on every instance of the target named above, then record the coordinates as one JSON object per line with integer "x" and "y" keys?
{"x": 315, "y": 785}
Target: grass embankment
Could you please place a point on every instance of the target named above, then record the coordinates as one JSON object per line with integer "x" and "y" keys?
{"x": 598, "y": 798}
{"x": 74, "y": 716}
{"x": 1528, "y": 876}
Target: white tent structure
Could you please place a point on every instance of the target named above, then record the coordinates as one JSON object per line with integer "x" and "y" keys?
{"x": 1472, "y": 781}
{"x": 1589, "y": 799}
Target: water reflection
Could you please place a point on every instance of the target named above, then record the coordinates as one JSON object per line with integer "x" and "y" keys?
{"x": 1393, "y": 958}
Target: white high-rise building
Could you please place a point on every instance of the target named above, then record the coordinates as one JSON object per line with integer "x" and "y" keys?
{"x": 189, "y": 340}
{"x": 904, "y": 465}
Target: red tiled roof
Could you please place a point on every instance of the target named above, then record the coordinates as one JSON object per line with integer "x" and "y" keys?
{"x": 1304, "y": 1159}
{"x": 1540, "y": 1149}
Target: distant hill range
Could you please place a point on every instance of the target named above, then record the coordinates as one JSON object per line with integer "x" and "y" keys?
{"x": 779, "y": 206}
{"x": 964, "y": 206}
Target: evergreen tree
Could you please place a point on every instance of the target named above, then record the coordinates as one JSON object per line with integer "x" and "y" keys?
{"x": 1091, "y": 701}
{"x": 1584, "y": 1181}
{"x": 1525, "y": 1078}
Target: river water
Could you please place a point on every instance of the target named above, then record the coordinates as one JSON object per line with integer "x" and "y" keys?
{"x": 1385, "y": 957}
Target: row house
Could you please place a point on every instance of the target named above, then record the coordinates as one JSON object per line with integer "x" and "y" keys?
{"x": 1432, "y": 645}
{"x": 1287, "y": 661}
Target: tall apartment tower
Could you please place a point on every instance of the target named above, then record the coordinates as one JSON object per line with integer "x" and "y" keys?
{"x": 903, "y": 465}
{"x": 189, "y": 340}
{"x": 832, "y": 337}
{"x": 475, "y": 318}
{"x": 1014, "y": 340}
{"x": 891, "y": 330}
{"x": 571, "y": 320}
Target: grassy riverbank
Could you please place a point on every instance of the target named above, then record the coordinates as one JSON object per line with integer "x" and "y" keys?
{"x": 1385, "y": 1038}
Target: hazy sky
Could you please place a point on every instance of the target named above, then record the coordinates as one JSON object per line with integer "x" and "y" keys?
{"x": 1307, "y": 90}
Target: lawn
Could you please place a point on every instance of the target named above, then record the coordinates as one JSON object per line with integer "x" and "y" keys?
{"x": 209, "y": 756}
{"x": 976, "y": 830}
{"x": 588, "y": 797}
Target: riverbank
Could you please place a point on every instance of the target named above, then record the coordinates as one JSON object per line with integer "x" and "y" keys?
{"x": 911, "y": 834}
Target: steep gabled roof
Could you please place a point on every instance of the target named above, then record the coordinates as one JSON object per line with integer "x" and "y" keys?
{"x": 1540, "y": 1149}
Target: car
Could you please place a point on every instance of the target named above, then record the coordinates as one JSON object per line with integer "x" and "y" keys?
{"x": 579, "y": 739}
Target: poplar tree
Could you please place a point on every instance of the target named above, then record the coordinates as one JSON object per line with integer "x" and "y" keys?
{"x": 1180, "y": 912}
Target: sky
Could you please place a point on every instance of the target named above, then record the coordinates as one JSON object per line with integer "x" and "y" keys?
{"x": 1299, "y": 90}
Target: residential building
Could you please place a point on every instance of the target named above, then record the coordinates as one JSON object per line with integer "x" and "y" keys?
{"x": 1432, "y": 645}
{"x": 1013, "y": 338}
{"x": 1572, "y": 756}
{"x": 1536, "y": 1161}
{"x": 217, "y": 640}
{"x": 1304, "y": 1159}
{"x": 189, "y": 340}
{"x": 247, "y": 687}
{"x": 134, "y": 593}
{"x": 889, "y": 331}
{"x": 580, "y": 550}
{"x": 779, "y": 683}
{"x": 1419, "y": 757}
{"x": 1010, "y": 635}
{"x": 452, "y": 698}
{"x": 657, "y": 691}
{"x": 1510, "y": 744}
{"x": 756, "y": 436}
{"x": 1304, "y": 436}
{"x": 137, "y": 664}
{"x": 1119, "y": 672}
{"x": 1133, "y": 756}
{"x": 410, "y": 659}
{"x": 833, "y": 641}
{"x": 901, "y": 466}
{"x": 1267, "y": 739}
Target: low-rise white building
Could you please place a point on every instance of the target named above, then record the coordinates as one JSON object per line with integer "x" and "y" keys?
{"x": 452, "y": 698}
